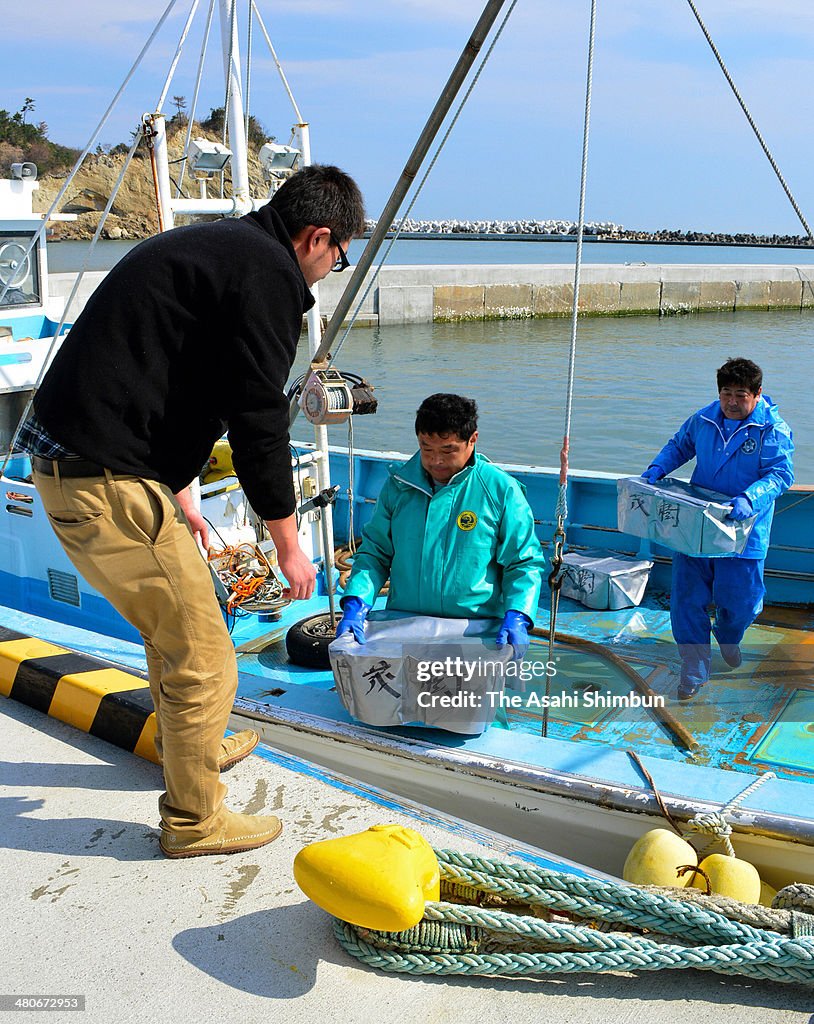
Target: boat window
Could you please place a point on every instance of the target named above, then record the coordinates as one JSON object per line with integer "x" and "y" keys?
{"x": 18, "y": 271}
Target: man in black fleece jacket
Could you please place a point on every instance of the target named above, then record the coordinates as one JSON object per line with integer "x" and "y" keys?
{"x": 192, "y": 333}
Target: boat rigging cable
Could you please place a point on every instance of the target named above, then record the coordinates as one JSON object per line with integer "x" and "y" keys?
{"x": 277, "y": 63}
{"x": 149, "y": 135}
{"x": 750, "y": 119}
{"x": 421, "y": 184}
{"x": 408, "y": 174}
{"x": 194, "y": 105}
{"x": 176, "y": 57}
{"x": 555, "y": 578}
{"x": 55, "y": 205}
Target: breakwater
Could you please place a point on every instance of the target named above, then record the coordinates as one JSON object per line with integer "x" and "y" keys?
{"x": 458, "y": 293}
{"x": 593, "y": 231}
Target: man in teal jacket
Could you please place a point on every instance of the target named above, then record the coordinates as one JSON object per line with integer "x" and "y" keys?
{"x": 742, "y": 449}
{"x": 454, "y": 533}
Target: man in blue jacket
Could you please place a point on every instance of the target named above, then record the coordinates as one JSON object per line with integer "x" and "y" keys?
{"x": 744, "y": 450}
{"x": 454, "y": 534}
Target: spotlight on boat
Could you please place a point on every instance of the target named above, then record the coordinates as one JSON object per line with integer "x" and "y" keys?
{"x": 278, "y": 161}
{"x": 26, "y": 171}
{"x": 207, "y": 158}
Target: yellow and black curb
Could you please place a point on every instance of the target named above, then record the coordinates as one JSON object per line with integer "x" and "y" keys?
{"x": 110, "y": 703}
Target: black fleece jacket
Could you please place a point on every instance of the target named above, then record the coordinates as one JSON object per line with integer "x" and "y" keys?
{"x": 193, "y": 332}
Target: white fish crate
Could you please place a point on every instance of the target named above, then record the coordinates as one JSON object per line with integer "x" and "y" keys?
{"x": 421, "y": 670}
{"x": 602, "y": 581}
{"x": 682, "y": 517}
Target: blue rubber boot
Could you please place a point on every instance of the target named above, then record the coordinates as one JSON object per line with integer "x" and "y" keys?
{"x": 695, "y": 663}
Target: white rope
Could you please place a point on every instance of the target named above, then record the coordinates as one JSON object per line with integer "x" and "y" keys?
{"x": 178, "y": 50}
{"x": 69, "y": 301}
{"x": 562, "y": 499}
{"x": 423, "y": 181}
{"x": 194, "y": 106}
{"x": 750, "y": 119}
{"x": 274, "y": 57}
{"x": 41, "y": 230}
{"x": 714, "y": 823}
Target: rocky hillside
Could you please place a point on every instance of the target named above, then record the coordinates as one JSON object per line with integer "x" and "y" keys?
{"x": 133, "y": 214}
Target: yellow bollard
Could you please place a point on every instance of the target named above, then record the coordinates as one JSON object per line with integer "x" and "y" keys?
{"x": 377, "y": 879}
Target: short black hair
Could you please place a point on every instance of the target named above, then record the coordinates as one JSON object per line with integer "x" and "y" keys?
{"x": 742, "y": 373}
{"x": 447, "y": 414}
{"x": 323, "y": 196}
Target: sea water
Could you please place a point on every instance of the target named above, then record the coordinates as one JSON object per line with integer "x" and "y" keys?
{"x": 636, "y": 378}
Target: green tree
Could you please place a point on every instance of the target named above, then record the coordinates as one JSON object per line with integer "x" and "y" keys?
{"x": 257, "y": 133}
{"x": 180, "y": 115}
{"x": 20, "y": 141}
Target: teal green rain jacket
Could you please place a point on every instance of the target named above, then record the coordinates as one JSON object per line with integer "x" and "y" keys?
{"x": 466, "y": 550}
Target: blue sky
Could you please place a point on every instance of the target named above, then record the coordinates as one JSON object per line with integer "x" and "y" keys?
{"x": 669, "y": 147}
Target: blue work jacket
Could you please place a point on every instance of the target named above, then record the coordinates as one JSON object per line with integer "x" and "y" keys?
{"x": 755, "y": 461}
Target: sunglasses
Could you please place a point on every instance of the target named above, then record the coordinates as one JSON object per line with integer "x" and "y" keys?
{"x": 342, "y": 261}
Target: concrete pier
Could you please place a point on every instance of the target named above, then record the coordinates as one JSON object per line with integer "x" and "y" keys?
{"x": 94, "y": 910}
{"x": 458, "y": 293}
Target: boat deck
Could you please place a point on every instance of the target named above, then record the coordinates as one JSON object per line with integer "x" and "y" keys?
{"x": 757, "y": 717}
{"x": 750, "y": 719}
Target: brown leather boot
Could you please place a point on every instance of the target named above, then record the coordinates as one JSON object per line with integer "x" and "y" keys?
{"x": 235, "y": 834}
{"x": 235, "y": 747}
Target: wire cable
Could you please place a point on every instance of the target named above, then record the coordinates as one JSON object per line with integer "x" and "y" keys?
{"x": 750, "y": 119}
{"x": 423, "y": 181}
{"x": 194, "y": 105}
{"x": 69, "y": 180}
{"x": 69, "y": 301}
{"x": 174, "y": 64}
{"x": 554, "y": 579}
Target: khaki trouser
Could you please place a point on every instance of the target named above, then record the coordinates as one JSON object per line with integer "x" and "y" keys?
{"x": 130, "y": 540}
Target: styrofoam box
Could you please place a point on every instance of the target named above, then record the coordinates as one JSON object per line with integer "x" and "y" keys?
{"x": 379, "y": 682}
{"x": 602, "y": 581}
{"x": 680, "y": 516}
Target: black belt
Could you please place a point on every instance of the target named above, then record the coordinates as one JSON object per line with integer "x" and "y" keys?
{"x": 67, "y": 467}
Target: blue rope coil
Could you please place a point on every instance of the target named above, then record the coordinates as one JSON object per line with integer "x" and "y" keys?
{"x": 477, "y": 940}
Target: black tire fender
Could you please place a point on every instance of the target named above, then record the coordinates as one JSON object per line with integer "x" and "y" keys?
{"x": 307, "y": 641}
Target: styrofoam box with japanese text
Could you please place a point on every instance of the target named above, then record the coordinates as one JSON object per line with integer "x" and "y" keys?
{"x": 599, "y": 580}
{"x": 682, "y": 517}
{"x": 387, "y": 680}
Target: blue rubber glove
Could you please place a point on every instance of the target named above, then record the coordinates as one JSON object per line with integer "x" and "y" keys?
{"x": 515, "y": 631}
{"x": 741, "y": 508}
{"x": 354, "y": 613}
{"x": 652, "y": 474}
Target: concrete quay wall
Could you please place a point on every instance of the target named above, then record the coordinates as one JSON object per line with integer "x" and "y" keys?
{"x": 442, "y": 294}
